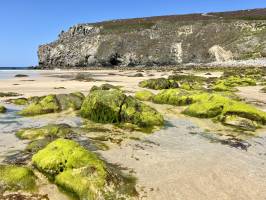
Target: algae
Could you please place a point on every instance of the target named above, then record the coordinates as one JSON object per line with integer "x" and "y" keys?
{"x": 14, "y": 178}
{"x": 144, "y": 95}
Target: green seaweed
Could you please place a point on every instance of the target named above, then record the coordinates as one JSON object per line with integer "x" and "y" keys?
{"x": 144, "y": 95}
{"x": 158, "y": 84}
{"x": 51, "y": 130}
{"x": 14, "y": 178}
{"x": 48, "y": 104}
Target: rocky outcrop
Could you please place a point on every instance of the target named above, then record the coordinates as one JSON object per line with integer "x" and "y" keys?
{"x": 168, "y": 40}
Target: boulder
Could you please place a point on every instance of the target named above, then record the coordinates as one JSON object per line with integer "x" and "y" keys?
{"x": 144, "y": 95}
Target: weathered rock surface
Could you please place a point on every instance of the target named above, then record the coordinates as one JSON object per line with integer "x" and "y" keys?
{"x": 168, "y": 40}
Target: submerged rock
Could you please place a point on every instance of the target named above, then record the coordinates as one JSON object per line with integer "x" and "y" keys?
{"x": 240, "y": 122}
{"x": 113, "y": 106}
{"x": 158, "y": 84}
{"x": 14, "y": 178}
{"x": 51, "y": 130}
{"x": 144, "y": 95}
{"x": 53, "y": 103}
{"x": 2, "y": 109}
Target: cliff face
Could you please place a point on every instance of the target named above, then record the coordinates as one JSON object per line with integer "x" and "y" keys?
{"x": 169, "y": 40}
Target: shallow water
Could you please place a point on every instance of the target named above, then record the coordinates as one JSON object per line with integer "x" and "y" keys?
{"x": 11, "y": 122}
{"x": 8, "y": 74}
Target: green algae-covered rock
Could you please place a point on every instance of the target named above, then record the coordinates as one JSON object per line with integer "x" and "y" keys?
{"x": 217, "y": 105}
{"x": 144, "y": 95}
{"x": 14, "y": 178}
{"x": 105, "y": 86}
{"x": 240, "y": 123}
{"x": 206, "y": 106}
{"x": 158, "y": 84}
{"x": 51, "y": 130}
{"x": 2, "y": 109}
{"x": 70, "y": 101}
{"x": 174, "y": 97}
{"x": 140, "y": 114}
{"x": 19, "y": 101}
{"x": 113, "y": 106}
{"x": 103, "y": 106}
{"x": 74, "y": 168}
{"x": 221, "y": 86}
{"x": 48, "y": 104}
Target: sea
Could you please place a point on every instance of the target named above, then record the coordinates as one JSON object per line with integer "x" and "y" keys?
{"x": 10, "y": 72}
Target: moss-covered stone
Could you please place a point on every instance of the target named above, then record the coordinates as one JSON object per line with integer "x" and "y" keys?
{"x": 135, "y": 112}
{"x": 230, "y": 82}
{"x": 14, "y": 178}
{"x": 105, "y": 86}
{"x": 9, "y": 94}
{"x": 2, "y": 109}
{"x": 19, "y": 101}
{"x": 52, "y": 130}
{"x": 48, "y": 104}
{"x": 115, "y": 107}
{"x": 216, "y": 105}
{"x": 173, "y": 97}
{"x": 74, "y": 168}
{"x": 144, "y": 95}
{"x": 240, "y": 123}
{"x": 158, "y": 84}
{"x": 70, "y": 101}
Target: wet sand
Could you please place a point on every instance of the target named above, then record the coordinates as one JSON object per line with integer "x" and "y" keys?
{"x": 177, "y": 162}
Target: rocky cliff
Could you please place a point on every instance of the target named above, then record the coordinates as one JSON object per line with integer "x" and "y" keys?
{"x": 167, "y": 40}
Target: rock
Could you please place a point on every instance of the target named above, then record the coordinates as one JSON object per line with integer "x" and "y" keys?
{"x": 2, "y": 109}
{"x": 84, "y": 77}
{"x": 105, "y": 86}
{"x": 144, "y": 95}
{"x": 18, "y": 196}
{"x": 13, "y": 178}
{"x": 112, "y": 106}
{"x": 9, "y": 94}
{"x": 158, "y": 84}
{"x": 19, "y": 101}
{"x": 174, "y": 97}
{"x": 53, "y": 103}
{"x": 137, "y": 75}
{"x": 51, "y": 130}
{"x": 214, "y": 105}
{"x": 74, "y": 168}
{"x": 152, "y": 42}
{"x": 48, "y": 104}
{"x": 21, "y": 75}
{"x": 240, "y": 123}
{"x": 263, "y": 89}
{"x": 70, "y": 101}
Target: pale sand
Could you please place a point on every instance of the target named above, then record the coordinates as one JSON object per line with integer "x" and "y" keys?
{"x": 170, "y": 164}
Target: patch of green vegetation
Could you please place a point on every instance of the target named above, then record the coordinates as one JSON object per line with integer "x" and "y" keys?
{"x": 218, "y": 106}
{"x": 144, "y": 95}
{"x": 19, "y": 101}
{"x": 173, "y": 97}
{"x": 2, "y": 109}
{"x": 229, "y": 83}
{"x": 9, "y": 94}
{"x": 105, "y": 86}
{"x": 71, "y": 101}
{"x": 51, "y": 130}
{"x": 112, "y": 106}
{"x": 73, "y": 168}
{"x": 48, "y": 104}
{"x": 158, "y": 84}
{"x": 240, "y": 123}
{"x": 14, "y": 178}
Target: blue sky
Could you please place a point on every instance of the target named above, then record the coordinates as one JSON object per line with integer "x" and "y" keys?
{"x": 25, "y": 24}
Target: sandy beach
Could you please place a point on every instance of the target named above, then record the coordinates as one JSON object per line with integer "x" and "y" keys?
{"x": 178, "y": 162}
